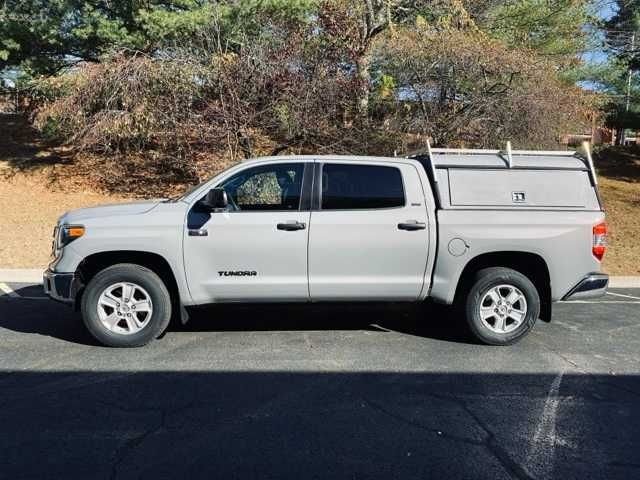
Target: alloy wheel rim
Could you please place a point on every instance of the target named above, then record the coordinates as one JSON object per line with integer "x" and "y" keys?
{"x": 503, "y": 308}
{"x": 125, "y": 308}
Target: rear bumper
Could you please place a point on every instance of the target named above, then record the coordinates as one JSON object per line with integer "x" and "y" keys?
{"x": 59, "y": 286}
{"x": 592, "y": 286}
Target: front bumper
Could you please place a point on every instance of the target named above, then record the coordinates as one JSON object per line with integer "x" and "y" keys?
{"x": 592, "y": 286}
{"x": 61, "y": 287}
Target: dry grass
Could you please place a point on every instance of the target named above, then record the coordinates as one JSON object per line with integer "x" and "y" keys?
{"x": 38, "y": 183}
{"x": 29, "y": 212}
{"x": 622, "y": 204}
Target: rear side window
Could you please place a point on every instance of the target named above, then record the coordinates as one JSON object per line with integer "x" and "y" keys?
{"x": 354, "y": 187}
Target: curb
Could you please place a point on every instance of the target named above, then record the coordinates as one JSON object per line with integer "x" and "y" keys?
{"x": 624, "y": 282}
{"x": 34, "y": 275}
{"x": 21, "y": 275}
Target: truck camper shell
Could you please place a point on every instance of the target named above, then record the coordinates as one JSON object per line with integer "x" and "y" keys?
{"x": 520, "y": 179}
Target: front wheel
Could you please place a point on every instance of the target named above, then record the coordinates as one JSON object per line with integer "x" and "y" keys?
{"x": 502, "y": 306}
{"x": 126, "y": 305}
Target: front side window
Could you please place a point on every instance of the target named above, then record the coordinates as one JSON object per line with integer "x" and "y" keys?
{"x": 354, "y": 187}
{"x": 266, "y": 187}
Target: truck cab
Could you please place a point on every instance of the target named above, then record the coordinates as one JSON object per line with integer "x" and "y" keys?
{"x": 341, "y": 229}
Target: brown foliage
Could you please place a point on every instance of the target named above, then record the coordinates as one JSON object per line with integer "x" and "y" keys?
{"x": 461, "y": 88}
{"x": 146, "y": 124}
{"x": 134, "y": 112}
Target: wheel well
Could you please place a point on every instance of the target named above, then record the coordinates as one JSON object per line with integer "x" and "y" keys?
{"x": 529, "y": 264}
{"x": 97, "y": 262}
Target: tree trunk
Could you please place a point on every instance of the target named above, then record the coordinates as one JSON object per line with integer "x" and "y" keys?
{"x": 363, "y": 63}
{"x": 619, "y": 136}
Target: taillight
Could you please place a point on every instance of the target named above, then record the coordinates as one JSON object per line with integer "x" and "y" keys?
{"x": 599, "y": 240}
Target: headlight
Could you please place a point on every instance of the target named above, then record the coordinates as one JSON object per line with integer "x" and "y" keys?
{"x": 69, "y": 233}
{"x": 55, "y": 242}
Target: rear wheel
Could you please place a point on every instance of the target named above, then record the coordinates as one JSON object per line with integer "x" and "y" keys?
{"x": 126, "y": 305}
{"x": 502, "y": 306}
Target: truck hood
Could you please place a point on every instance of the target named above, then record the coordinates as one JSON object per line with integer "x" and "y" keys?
{"x": 132, "y": 208}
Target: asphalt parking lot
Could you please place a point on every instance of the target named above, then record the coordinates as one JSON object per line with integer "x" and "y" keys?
{"x": 383, "y": 391}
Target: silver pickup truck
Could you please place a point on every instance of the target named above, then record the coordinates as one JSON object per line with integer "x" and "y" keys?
{"x": 498, "y": 234}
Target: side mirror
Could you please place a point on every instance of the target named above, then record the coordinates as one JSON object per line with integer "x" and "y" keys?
{"x": 216, "y": 199}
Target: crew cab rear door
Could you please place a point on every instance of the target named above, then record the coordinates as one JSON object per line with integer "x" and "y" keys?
{"x": 256, "y": 250}
{"x": 369, "y": 236}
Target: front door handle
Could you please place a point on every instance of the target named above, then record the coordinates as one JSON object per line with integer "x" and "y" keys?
{"x": 411, "y": 225}
{"x": 291, "y": 226}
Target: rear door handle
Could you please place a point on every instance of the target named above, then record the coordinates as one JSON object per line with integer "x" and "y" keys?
{"x": 291, "y": 226}
{"x": 411, "y": 225}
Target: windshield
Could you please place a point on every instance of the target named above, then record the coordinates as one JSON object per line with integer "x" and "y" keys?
{"x": 191, "y": 188}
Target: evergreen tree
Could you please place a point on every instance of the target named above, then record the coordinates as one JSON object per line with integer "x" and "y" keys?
{"x": 620, "y": 77}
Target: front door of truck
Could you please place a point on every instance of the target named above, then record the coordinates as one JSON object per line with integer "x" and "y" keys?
{"x": 369, "y": 234}
{"x": 256, "y": 250}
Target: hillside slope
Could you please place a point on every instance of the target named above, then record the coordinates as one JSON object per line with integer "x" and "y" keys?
{"x": 36, "y": 188}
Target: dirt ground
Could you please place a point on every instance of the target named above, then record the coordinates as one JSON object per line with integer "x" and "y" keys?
{"x": 622, "y": 204}
{"x": 619, "y": 177}
{"x": 35, "y": 191}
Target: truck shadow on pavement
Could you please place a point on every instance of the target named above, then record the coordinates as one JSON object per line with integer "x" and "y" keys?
{"x": 45, "y": 317}
{"x": 426, "y": 320}
{"x": 128, "y": 423}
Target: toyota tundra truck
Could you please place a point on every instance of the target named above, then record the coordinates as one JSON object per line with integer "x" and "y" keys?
{"x": 501, "y": 235}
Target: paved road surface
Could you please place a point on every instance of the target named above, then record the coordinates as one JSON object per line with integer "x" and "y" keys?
{"x": 321, "y": 392}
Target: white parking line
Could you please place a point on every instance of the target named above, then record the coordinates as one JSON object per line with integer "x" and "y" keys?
{"x": 630, "y": 297}
{"x": 12, "y": 294}
{"x": 623, "y": 295}
{"x": 8, "y": 290}
{"x": 615, "y": 302}
{"x": 545, "y": 439}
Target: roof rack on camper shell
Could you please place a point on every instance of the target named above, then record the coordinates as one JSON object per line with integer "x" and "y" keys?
{"x": 507, "y": 158}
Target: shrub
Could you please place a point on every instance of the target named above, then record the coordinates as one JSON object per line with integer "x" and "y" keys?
{"x": 460, "y": 87}
{"x": 135, "y": 111}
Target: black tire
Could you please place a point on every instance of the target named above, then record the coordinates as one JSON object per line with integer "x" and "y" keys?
{"x": 487, "y": 279}
{"x": 145, "y": 278}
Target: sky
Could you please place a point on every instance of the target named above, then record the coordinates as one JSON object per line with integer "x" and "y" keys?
{"x": 605, "y": 10}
